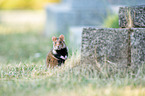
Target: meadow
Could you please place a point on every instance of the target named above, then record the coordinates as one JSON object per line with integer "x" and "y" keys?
{"x": 23, "y": 72}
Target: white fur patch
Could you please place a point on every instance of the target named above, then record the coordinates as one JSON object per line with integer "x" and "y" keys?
{"x": 62, "y": 57}
{"x": 65, "y": 56}
{"x": 54, "y": 52}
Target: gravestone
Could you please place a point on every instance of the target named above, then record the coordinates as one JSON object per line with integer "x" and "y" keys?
{"x": 134, "y": 15}
{"x": 113, "y": 45}
{"x": 138, "y": 46}
{"x": 60, "y": 17}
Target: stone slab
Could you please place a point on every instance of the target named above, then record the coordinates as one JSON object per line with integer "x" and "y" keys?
{"x": 138, "y": 46}
{"x": 112, "y": 44}
{"x": 134, "y": 14}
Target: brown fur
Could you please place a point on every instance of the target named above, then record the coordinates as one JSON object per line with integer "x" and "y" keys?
{"x": 51, "y": 61}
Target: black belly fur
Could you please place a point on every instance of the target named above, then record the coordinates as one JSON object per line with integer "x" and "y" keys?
{"x": 63, "y": 52}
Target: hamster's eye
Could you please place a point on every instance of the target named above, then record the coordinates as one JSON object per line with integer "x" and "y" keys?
{"x": 60, "y": 42}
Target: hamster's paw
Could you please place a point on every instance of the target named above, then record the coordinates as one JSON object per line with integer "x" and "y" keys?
{"x": 62, "y": 57}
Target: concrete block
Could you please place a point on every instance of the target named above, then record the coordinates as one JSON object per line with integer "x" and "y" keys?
{"x": 133, "y": 16}
{"x": 138, "y": 46}
{"x": 113, "y": 45}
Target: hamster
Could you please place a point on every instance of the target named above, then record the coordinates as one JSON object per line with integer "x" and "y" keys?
{"x": 58, "y": 54}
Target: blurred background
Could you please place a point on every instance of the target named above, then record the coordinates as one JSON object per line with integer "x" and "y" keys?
{"x": 26, "y": 26}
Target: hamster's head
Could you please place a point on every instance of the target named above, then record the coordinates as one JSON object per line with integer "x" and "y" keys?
{"x": 58, "y": 43}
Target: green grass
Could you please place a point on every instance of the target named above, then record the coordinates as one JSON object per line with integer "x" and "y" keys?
{"x": 23, "y": 71}
{"x": 112, "y": 21}
{"x": 22, "y": 46}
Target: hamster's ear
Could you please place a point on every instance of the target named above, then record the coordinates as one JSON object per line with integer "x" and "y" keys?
{"x": 54, "y": 38}
{"x": 61, "y": 37}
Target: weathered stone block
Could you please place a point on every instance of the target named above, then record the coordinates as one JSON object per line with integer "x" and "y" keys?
{"x": 138, "y": 46}
{"x": 112, "y": 45}
{"x": 132, "y": 17}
